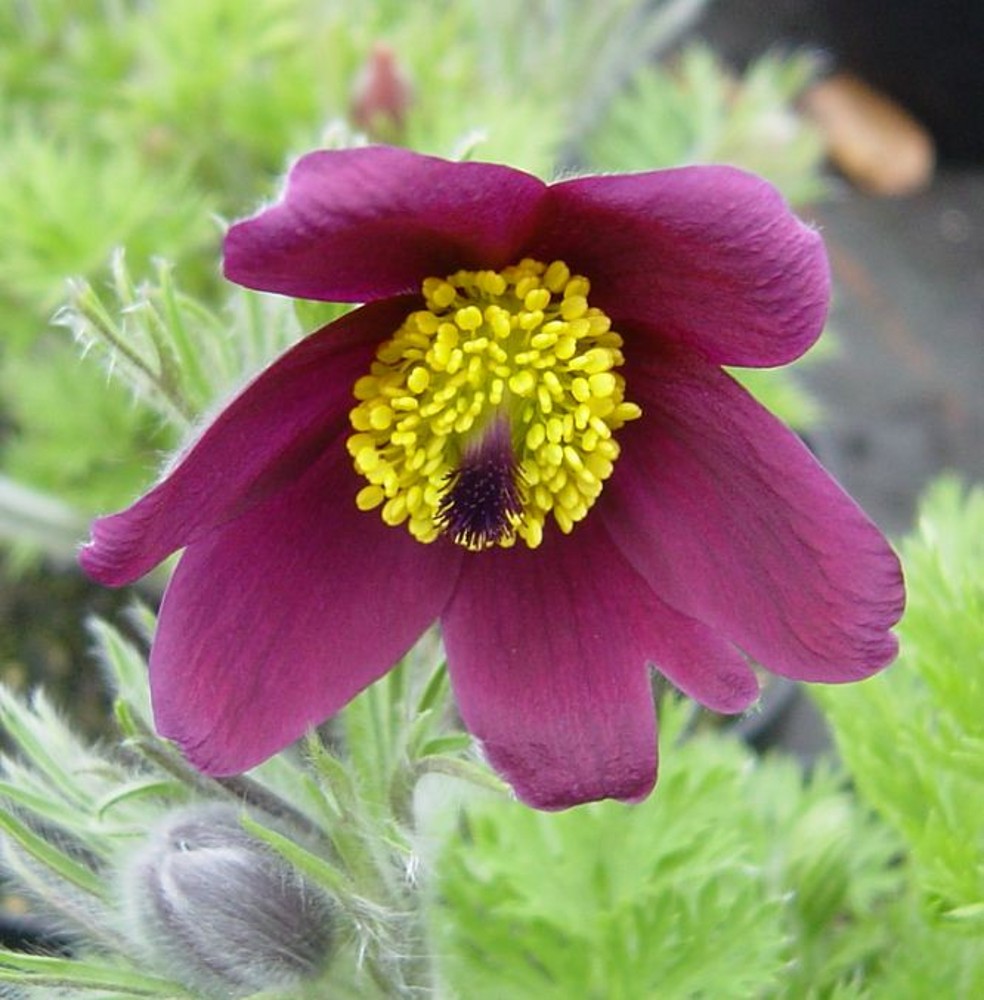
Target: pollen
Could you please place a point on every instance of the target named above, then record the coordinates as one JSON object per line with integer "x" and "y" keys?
{"x": 491, "y": 412}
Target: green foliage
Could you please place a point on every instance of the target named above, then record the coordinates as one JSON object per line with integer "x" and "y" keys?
{"x": 67, "y": 203}
{"x": 171, "y": 351}
{"x": 695, "y": 111}
{"x": 95, "y": 434}
{"x": 232, "y": 86}
{"x": 73, "y": 815}
{"x": 573, "y": 54}
{"x": 912, "y": 737}
{"x": 923, "y": 959}
{"x": 736, "y": 878}
{"x": 43, "y": 41}
{"x": 88, "y": 442}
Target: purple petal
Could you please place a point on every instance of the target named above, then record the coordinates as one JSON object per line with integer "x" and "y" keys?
{"x": 709, "y": 257}
{"x": 261, "y": 441}
{"x": 731, "y": 520}
{"x": 547, "y": 655}
{"x": 360, "y": 224}
{"x": 698, "y": 661}
{"x": 276, "y": 621}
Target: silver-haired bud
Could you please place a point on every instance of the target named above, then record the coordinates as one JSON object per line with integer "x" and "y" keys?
{"x": 222, "y": 912}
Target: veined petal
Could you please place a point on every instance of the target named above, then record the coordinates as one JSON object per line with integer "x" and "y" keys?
{"x": 277, "y": 620}
{"x": 709, "y": 257}
{"x": 361, "y": 224}
{"x": 548, "y": 664}
{"x": 731, "y": 520}
{"x": 260, "y": 442}
{"x": 698, "y": 661}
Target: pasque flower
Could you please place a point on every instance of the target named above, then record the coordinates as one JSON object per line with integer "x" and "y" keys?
{"x": 525, "y": 433}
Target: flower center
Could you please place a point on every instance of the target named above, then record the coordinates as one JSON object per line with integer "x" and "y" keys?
{"x": 492, "y": 409}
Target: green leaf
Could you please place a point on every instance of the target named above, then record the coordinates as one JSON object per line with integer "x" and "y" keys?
{"x": 911, "y": 736}
{"x": 319, "y": 870}
{"x": 665, "y": 898}
{"x": 57, "y": 861}
{"x": 89, "y": 974}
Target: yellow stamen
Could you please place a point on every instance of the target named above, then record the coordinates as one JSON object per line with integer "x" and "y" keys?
{"x": 521, "y": 349}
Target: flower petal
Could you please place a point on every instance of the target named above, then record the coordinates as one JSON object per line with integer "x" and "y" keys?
{"x": 709, "y": 257}
{"x": 547, "y": 661}
{"x": 360, "y": 224}
{"x": 698, "y": 661}
{"x": 732, "y": 521}
{"x": 276, "y": 621}
{"x": 259, "y": 442}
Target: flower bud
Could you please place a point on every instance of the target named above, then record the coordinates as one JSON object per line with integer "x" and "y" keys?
{"x": 382, "y": 95}
{"x": 222, "y": 912}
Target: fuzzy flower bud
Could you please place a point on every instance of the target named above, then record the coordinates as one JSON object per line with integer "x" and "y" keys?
{"x": 221, "y": 912}
{"x": 382, "y": 95}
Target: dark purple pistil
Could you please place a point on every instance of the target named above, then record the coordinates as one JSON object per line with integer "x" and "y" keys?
{"x": 482, "y": 499}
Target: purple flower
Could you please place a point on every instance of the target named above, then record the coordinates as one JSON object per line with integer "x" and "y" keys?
{"x": 526, "y": 434}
